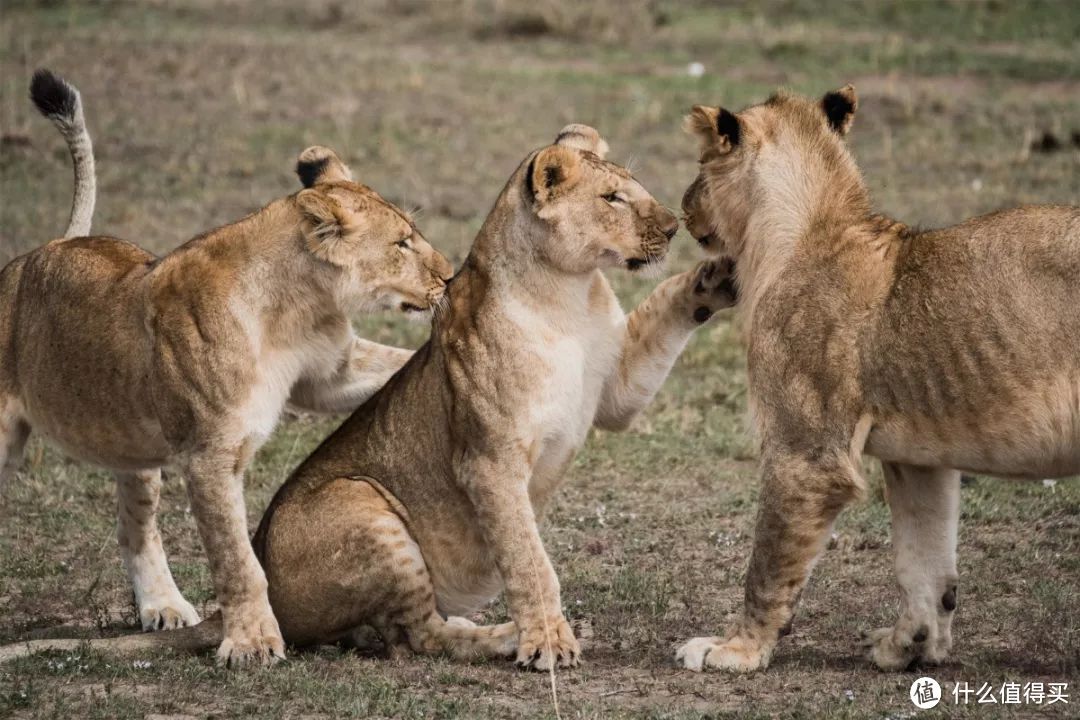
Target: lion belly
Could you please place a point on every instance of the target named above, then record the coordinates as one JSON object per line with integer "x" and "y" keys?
{"x": 1035, "y": 435}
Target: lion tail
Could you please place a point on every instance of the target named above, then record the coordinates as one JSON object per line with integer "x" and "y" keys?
{"x": 59, "y": 101}
{"x": 206, "y": 634}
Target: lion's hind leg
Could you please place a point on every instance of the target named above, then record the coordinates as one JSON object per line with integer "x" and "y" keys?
{"x": 925, "y": 506}
{"x": 14, "y": 431}
{"x": 367, "y": 570}
{"x": 463, "y": 638}
{"x": 415, "y": 620}
{"x": 160, "y": 604}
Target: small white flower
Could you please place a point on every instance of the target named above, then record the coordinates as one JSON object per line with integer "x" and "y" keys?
{"x": 142, "y": 664}
{"x": 695, "y": 69}
{"x": 1049, "y": 482}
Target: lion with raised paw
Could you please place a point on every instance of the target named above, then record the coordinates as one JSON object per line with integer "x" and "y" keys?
{"x": 425, "y": 504}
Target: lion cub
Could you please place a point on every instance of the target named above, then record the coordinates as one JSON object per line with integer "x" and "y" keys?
{"x": 131, "y": 361}
{"x": 936, "y": 352}
{"x": 428, "y": 498}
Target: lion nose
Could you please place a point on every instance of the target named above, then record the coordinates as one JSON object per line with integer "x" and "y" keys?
{"x": 669, "y": 224}
{"x": 443, "y": 267}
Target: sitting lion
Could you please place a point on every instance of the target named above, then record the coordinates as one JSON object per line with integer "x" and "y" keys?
{"x": 132, "y": 362}
{"x": 425, "y": 503}
{"x": 937, "y": 352}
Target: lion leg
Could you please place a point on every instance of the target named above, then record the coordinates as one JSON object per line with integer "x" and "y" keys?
{"x": 925, "y": 505}
{"x": 461, "y": 638}
{"x": 14, "y": 431}
{"x": 161, "y": 606}
{"x": 800, "y": 498}
{"x": 416, "y": 615}
{"x": 216, "y": 489}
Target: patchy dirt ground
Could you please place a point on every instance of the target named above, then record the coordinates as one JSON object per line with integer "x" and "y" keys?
{"x": 198, "y": 110}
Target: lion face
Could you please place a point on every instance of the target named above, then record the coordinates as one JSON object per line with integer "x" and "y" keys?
{"x": 384, "y": 260}
{"x": 749, "y": 161}
{"x": 602, "y": 216}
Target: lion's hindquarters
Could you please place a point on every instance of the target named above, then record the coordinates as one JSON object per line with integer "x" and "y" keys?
{"x": 362, "y": 567}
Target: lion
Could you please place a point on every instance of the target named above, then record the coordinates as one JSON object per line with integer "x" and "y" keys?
{"x": 935, "y": 351}
{"x": 133, "y": 362}
{"x": 427, "y": 500}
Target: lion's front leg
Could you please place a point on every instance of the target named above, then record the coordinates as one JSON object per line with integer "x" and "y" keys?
{"x": 363, "y": 371}
{"x": 499, "y": 492}
{"x": 656, "y": 332}
{"x": 801, "y": 496}
{"x": 216, "y": 489}
{"x": 925, "y": 506}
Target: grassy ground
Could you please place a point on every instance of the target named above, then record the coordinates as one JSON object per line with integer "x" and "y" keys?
{"x": 198, "y": 111}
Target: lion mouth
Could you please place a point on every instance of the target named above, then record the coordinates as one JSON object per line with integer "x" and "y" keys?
{"x": 707, "y": 241}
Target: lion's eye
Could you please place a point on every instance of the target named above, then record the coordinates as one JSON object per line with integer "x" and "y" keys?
{"x": 613, "y": 197}
{"x": 404, "y": 243}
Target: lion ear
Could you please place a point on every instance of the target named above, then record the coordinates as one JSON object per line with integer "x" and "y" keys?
{"x": 839, "y": 107}
{"x": 715, "y": 127}
{"x": 582, "y": 137}
{"x": 319, "y": 164}
{"x": 552, "y": 171}
{"x": 325, "y": 225}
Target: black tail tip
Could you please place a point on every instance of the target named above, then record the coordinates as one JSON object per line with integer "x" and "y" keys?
{"x": 52, "y": 94}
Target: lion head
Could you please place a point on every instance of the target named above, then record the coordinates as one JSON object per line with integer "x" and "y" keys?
{"x": 766, "y": 169}
{"x": 598, "y": 214}
{"x": 383, "y": 259}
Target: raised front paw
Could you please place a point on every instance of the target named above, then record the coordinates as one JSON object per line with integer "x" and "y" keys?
{"x": 738, "y": 654}
{"x": 252, "y": 637}
{"x": 712, "y": 288}
{"x": 540, "y": 648}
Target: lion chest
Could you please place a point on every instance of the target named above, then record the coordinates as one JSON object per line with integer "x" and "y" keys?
{"x": 565, "y": 400}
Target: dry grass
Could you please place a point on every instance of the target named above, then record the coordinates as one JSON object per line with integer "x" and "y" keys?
{"x": 198, "y": 110}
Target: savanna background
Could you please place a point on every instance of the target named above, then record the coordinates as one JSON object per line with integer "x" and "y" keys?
{"x": 198, "y": 110}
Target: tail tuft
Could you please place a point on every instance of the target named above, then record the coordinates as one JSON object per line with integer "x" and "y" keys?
{"x": 58, "y": 100}
{"x": 53, "y": 95}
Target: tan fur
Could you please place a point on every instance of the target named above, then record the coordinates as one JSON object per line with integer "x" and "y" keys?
{"x": 937, "y": 351}
{"x": 427, "y": 500}
{"x": 133, "y": 362}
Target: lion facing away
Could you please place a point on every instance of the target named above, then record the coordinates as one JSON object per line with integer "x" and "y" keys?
{"x": 131, "y": 361}
{"x": 937, "y": 352}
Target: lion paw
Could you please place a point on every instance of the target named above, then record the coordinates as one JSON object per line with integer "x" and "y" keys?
{"x": 736, "y": 654}
{"x": 712, "y": 288}
{"x": 892, "y": 650}
{"x": 252, "y": 639}
{"x": 538, "y": 650}
{"x": 167, "y": 614}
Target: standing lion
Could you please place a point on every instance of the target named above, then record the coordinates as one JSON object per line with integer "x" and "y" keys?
{"x": 937, "y": 352}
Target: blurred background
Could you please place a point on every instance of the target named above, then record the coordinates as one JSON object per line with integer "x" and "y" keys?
{"x": 198, "y": 109}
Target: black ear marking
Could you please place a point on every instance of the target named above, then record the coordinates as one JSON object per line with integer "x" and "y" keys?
{"x": 529, "y": 187}
{"x": 838, "y": 109}
{"x": 552, "y": 176}
{"x": 728, "y": 124}
{"x": 310, "y": 171}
